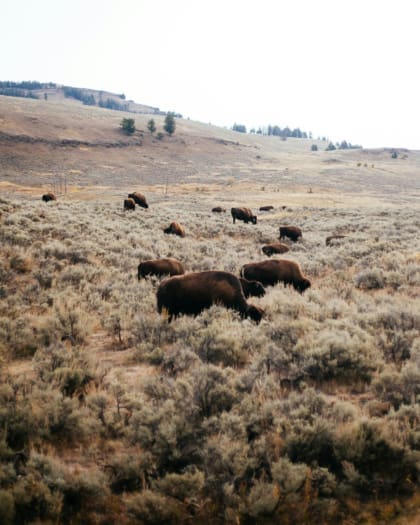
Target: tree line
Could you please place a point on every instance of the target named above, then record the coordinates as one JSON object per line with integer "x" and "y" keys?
{"x": 23, "y": 89}
{"x": 88, "y": 99}
{"x": 272, "y": 130}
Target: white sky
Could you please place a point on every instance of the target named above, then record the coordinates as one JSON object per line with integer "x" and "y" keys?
{"x": 341, "y": 69}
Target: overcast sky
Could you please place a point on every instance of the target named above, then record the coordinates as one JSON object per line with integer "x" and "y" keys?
{"x": 344, "y": 70}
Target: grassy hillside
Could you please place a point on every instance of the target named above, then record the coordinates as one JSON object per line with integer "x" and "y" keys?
{"x": 108, "y": 414}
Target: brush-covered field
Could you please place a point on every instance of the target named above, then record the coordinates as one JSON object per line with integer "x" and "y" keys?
{"x": 108, "y": 414}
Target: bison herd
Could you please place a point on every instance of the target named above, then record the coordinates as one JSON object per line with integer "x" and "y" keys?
{"x": 191, "y": 293}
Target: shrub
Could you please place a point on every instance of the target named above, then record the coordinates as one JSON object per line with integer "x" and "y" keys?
{"x": 7, "y": 507}
{"x": 377, "y": 466}
{"x": 338, "y": 354}
{"x": 370, "y": 279}
{"x": 155, "y": 509}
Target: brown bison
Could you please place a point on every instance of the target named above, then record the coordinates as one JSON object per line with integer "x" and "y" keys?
{"x": 330, "y": 240}
{"x": 275, "y": 247}
{"x": 139, "y": 199}
{"x": 129, "y": 204}
{"x": 251, "y": 288}
{"x": 273, "y": 271}
{"x": 218, "y": 209}
{"x": 266, "y": 208}
{"x": 243, "y": 214}
{"x": 175, "y": 228}
{"x": 49, "y": 197}
{"x": 292, "y": 232}
{"x": 194, "y": 292}
{"x": 160, "y": 267}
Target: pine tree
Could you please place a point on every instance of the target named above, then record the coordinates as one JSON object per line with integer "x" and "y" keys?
{"x": 151, "y": 126}
{"x": 170, "y": 124}
{"x": 128, "y": 126}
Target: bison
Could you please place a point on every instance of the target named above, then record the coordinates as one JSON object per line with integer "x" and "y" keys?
{"x": 129, "y": 204}
{"x": 329, "y": 240}
{"x": 266, "y": 208}
{"x": 218, "y": 209}
{"x": 194, "y": 292}
{"x": 252, "y": 288}
{"x": 273, "y": 271}
{"x": 275, "y": 247}
{"x": 243, "y": 214}
{"x": 49, "y": 197}
{"x": 139, "y": 199}
{"x": 160, "y": 267}
{"x": 175, "y": 228}
{"x": 292, "y": 232}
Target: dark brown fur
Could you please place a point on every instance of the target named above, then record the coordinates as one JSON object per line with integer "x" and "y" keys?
{"x": 266, "y": 208}
{"x": 176, "y": 229}
{"x": 252, "y": 288}
{"x": 160, "y": 267}
{"x": 243, "y": 214}
{"x": 273, "y": 271}
{"x": 129, "y": 204}
{"x": 218, "y": 209}
{"x": 139, "y": 199}
{"x": 194, "y": 292}
{"x": 329, "y": 240}
{"x": 275, "y": 247}
{"x": 292, "y": 232}
{"x": 49, "y": 197}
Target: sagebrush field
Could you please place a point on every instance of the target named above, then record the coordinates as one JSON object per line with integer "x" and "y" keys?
{"x": 108, "y": 414}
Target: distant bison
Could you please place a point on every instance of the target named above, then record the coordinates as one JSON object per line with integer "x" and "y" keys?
{"x": 273, "y": 271}
{"x": 292, "y": 232}
{"x": 194, "y": 292}
{"x": 266, "y": 208}
{"x": 129, "y": 204}
{"x": 176, "y": 229}
{"x": 49, "y": 197}
{"x": 243, "y": 214}
{"x": 252, "y": 288}
{"x": 218, "y": 209}
{"x": 275, "y": 247}
{"x": 139, "y": 199}
{"x": 329, "y": 240}
{"x": 160, "y": 267}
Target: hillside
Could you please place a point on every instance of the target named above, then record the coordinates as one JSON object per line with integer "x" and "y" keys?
{"x": 111, "y": 414}
{"x": 44, "y": 140}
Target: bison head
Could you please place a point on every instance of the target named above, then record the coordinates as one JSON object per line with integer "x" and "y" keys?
{"x": 255, "y": 313}
{"x": 256, "y": 289}
{"x": 303, "y": 285}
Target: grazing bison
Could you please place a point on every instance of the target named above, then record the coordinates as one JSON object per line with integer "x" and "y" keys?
{"x": 194, "y": 292}
{"x": 139, "y": 199}
{"x": 218, "y": 209}
{"x": 49, "y": 197}
{"x": 160, "y": 267}
{"x": 243, "y": 214}
{"x": 275, "y": 247}
{"x": 129, "y": 204}
{"x": 176, "y": 229}
{"x": 273, "y": 271}
{"x": 292, "y": 232}
{"x": 266, "y": 208}
{"x": 329, "y": 240}
{"x": 252, "y": 288}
